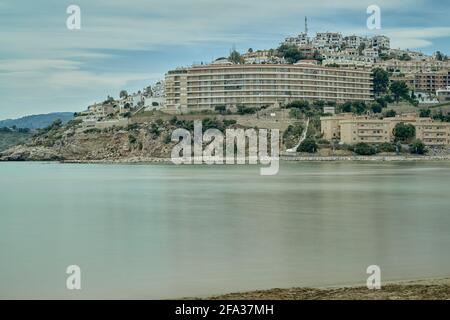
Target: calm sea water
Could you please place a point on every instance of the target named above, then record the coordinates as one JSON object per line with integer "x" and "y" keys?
{"x": 163, "y": 231}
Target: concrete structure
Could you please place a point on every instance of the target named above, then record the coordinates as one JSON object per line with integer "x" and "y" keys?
{"x": 433, "y": 133}
{"x": 380, "y": 42}
{"x": 351, "y": 129}
{"x": 364, "y": 129}
{"x": 207, "y": 86}
{"x": 101, "y": 110}
{"x": 396, "y": 66}
{"x": 443, "y": 95}
{"x": 431, "y": 81}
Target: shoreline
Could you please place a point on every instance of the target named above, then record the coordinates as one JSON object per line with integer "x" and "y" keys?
{"x": 424, "y": 289}
{"x": 295, "y": 158}
{"x": 283, "y": 157}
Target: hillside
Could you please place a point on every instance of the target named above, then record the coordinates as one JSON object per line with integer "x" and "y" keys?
{"x": 9, "y": 138}
{"x": 142, "y": 141}
{"x": 37, "y": 121}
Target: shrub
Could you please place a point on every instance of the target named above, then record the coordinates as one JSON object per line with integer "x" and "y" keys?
{"x": 387, "y": 147}
{"x": 323, "y": 142}
{"x": 376, "y": 107}
{"x": 246, "y": 110}
{"x": 295, "y": 113}
{"x": 390, "y": 114}
{"x": 229, "y": 122}
{"x": 93, "y": 130}
{"x": 220, "y": 109}
{"x": 298, "y": 104}
{"x": 364, "y": 149}
{"x": 211, "y": 123}
{"x": 132, "y": 139}
{"x": 308, "y": 145}
{"x": 132, "y": 126}
{"x": 417, "y": 147}
{"x": 425, "y": 113}
{"x": 167, "y": 138}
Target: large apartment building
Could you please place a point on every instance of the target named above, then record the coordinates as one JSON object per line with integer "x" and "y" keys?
{"x": 351, "y": 129}
{"x": 207, "y": 86}
{"x": 428, "y": 82}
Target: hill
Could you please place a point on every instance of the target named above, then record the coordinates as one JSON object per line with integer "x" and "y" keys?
{"x": 37, "y": 121}
{"x": 10, "y": 138}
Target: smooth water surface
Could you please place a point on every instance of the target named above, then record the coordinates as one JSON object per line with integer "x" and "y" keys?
{"x": 164, "y": 231}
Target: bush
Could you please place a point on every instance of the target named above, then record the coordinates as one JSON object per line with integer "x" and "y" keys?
{"x": 228, "y": 122}
{"x": 425, "y": 113}
{"x": 298, "y": 104}
{"x": 390, "y": 114}
{"x": 308, "y": 145}
{"x": 220, "y": 109}
{"x": 132, "y": 126}
{"x": 387, "y": 147}
{"x": 376, "y": 107}
{"x": 167, "y": 138}
{"x": 93, "y": 130}
{"x": 132, "y": 139}
{"x": 246, "y": 110}
{"x": 295, "y": 113}
{"x": 364, "y": 149}
{"x": 323, "y": 142}
{"x": 211, "y": 123}
{"x": 417, "y": 147}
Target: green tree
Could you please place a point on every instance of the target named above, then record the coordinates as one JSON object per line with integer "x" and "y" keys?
{"x": 425, "y": 113}
{"x": 361, "y": 48}
{"x": 290, "y": 52}
{"x": 299, "y": 104}
{"x": 295, "y": 113}
{"x": 405, "y": 57}
{"x": 390, "y": 113}
{"x": 380, "y": 81}
{"x": 236, "y": 57}
{"x": 308, "y": 145}
{"x": 220, "y": 109}
{"x": 123, "y": 94}
{"x": 440, "y": 56}
{"x": 404, "y": 132}
{"x": 400, "y": 90}
{"x": 417, "y": 147}
{"x": 346, "y": 107}
{"x": 359, "y": 107}
{"x": 376, "y": 107}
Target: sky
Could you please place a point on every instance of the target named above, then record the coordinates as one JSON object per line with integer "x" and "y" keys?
{"x": 130, "y": 44}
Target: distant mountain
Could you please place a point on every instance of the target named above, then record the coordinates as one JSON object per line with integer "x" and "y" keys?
{"x": 37, "y": 121}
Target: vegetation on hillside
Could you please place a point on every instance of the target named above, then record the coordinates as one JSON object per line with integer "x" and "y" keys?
{"x": 10, "y": 137}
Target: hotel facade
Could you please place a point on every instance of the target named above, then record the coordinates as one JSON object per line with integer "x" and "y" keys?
{"x": 256, "y": 85}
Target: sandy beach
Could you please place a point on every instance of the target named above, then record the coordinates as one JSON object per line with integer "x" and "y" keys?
{"x": 430, "y": 289}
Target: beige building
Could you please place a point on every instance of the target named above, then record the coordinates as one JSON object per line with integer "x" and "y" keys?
{"x": 351, "y": 129}
{"x": 364, "y": 129}
{"x": 433, "y": 133}
{"x": 207, "y": 86}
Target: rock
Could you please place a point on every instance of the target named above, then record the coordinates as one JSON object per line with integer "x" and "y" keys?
{"x": 27, "y": 153}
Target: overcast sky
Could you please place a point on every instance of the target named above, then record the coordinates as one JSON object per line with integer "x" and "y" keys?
{"x": 128, "y": 44}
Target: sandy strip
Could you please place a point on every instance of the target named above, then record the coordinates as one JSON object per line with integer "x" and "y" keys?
{"x": 434, "y": 289}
